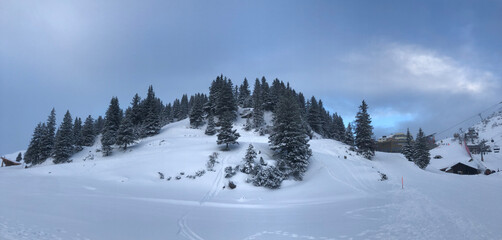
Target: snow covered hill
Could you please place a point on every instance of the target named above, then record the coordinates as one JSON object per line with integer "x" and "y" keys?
{"x": 342, "y": 195}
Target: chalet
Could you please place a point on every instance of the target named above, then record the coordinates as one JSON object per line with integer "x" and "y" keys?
{"x": 8, "y": 162}
{"x": 461, "y": 168}
{"x": 393, "y": 143}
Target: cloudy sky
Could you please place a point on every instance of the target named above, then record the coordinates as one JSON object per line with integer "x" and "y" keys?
{"x": 423, "y": 63}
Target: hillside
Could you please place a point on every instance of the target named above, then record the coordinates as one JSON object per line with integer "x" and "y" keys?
{"x": 122, "y": 196}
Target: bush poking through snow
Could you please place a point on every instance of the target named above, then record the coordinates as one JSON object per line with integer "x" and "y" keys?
{"x": 212, "y": 161}
{"x": 168, "y": 179}
{"x": 178, "y": 177}
{"x": 270, "y": 177}
{"x": 383, "y": 176}
{"x": 231, "y": 185}
{"x": 161, "y": 175}
{"x": 229, "y": 172}
{"x": 249, "y": 160}
{"x": 262, "y": 162}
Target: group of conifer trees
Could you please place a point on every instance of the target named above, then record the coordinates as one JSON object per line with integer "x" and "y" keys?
{"x": 71, "y": 136}
{"x": 417, "y": 151}
{"x": 294, "y": 121}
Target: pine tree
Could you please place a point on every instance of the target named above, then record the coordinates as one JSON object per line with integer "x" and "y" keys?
{"x": 63, "y": 148}
{"x": 152, "y": 121}
{"x": 183, "y": 107}
{"x": 33, "y": 153}
{"x": 77, "y": 134}
{"x": 47, "y": 146}
{"x": 349, "y": 136}
{"x": 314, "y": 116}
{"x": 196, "y": 116}
{"x": 245, "y": 95}
{"x": 136, "y": 110}
{"x": 289, "y": 140}
{"x": 19, "y": 157}
{"x": 227, "y": 135}
{"x": 249, "y": 160}
{"x": 211, "y": 126}
{"x": 364, "y": 132}
{"x": 88, "y": 135}
{"x": 98, "y": 125}
{"x": 125, "y": 134}
{"x": 265, "y": 96}
{"x": 421, "y": 155}
{"x": 258, "y": 118}
{"x": 408, "y": 147}
{"x": 111, "y": 126}
{"x": 270, "y": 177}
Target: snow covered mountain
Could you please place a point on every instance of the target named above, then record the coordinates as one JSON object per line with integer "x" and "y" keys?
{"x": 342, "y": 196}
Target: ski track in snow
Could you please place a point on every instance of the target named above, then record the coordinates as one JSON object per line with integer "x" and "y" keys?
{"x": 283, "y": 235}
{"x": 216, "y": 187}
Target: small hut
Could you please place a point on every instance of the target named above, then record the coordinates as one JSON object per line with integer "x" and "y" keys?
{"x": 8, "y": 162}
{"x": 461, "y": 169}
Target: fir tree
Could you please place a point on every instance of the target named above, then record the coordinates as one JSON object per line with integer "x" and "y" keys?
{"x": 111, "y": 126}
{"x": 152, "y": 121}
{"x": 258, "y": 118}
{"x": 364, "y": 132}
{"x": 227, "y": 135}
{"x": 136, "y": 110}
{"x": 211, "y": 126}
{"x": 63, "y": 148}
{"x": 77, "y": 134}
{"x": 349, "y": 136}
{"x": 183, "y": 107}
{"x": 47, "y": 146}
{"x": 88, "y": 135}
{"x": 125, "y": 134}
{"x": 98, "y": 125}
{"x": 33, "y": 153}
{"x": 249, "y": 160}
{"x": 245, "y": 95}
{"x": 421, "y": 155}
{"x": 270, "y": 177}
{"x": 408, "y": 147}
{"x": 265, "y": 95}
{"x": 289, "y": 140}
{"x": 314, "y": 116}
{"x": 196, "y": 116}
{"x": 19, "y": 157}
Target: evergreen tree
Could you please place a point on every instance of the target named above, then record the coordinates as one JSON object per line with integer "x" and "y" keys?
{"x": 98, "y": 125}
{"x": 183, "y": 107}
{"x": 211, "y": 126}
{"x": 19, "y": 157}
{"x": 88, "y": 135}
{"x": 257, "y": 100}
{"x": 33, "y": 153}
{"x": 125, "y": 134}
{"x": 177, "y": 109}
{"x": 225, "y": 103}
{"x": 63, "y": 148}
{"x": 364, "y": 132}
{"x": 249, "y": 160}
{"x": 152, "y": 121}
{"x": 349, "y": 136}
{"x": 265, "y": 96}
{"x": 47, "y": 146}
{"x": 408, "y": 147}
{"x": 421, "y": 155}
{"x": 314, "y": 116}
{"x": 289, "y": 140}
{"x": 136, "y": 110}
{"x": 227, "y": 135}
{"x": 196, "y": 116}
{"x": 270, "y": 177}
{"x": 258, "y": 118}
{"x": 111, "y": 126}
{"x": 77, "y": 134}
{"x": 245, "y": 95}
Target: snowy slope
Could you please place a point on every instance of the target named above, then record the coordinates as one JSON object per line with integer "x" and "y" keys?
{"x": 122, "y": 197}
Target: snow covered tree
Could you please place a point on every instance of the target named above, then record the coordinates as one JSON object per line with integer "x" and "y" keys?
{"x": 364, "y": 132}
{"x": 33, "y": 153}
{"x": 421, "y": 155}
{"x": 244, "y": 99}
{"x": 19, "y": 157}
{"x": 63, "y": 148}
{"x": 349, "y": 136}
{"x": 77, "y": 134}
{"x": 408, "y": 147}
{"x": 88, "y": 135}
{"x": 99, "y": 125}
{"x": 249, "y": 160}
{"x": 314, "y": 116}
{"x": 125, "y": 134}
{"x": 197, "y": 114}
{"x": 211, "y": 126}
{"x": 111, "y": 126}
{"x": 270, "y": 177}
{"x": 258, "y": 118}
{"x": 266, "y": 99}
{"x": 47, "y": 146}
{"x": 184, "y": 108}
{"x": 227, "y": 135}
{"x": 289, "y": 140}
{"x": 151, "y": 124}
